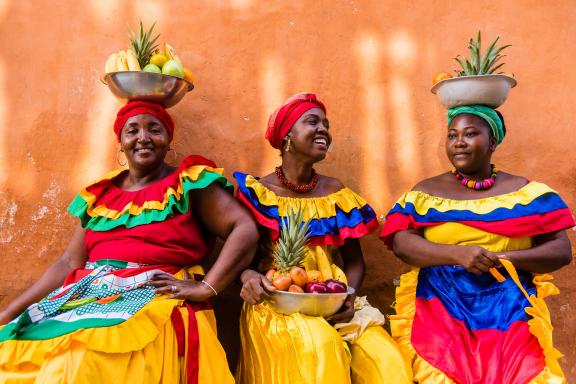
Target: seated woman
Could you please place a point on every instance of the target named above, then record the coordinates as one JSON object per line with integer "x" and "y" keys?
{"x": 297, "y": 348}
{"x": 458, "y": 322}
{"x": 103, "y": 314}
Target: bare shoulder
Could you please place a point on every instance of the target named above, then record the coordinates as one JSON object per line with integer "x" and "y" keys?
{"x": 434, "y": 184}
{"x": 512, "y": 182}
{"x": 330, "y": 184}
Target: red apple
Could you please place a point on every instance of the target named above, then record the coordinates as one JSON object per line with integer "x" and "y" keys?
{"x": 314, "y": 287}
{"x": 335, "y": 286}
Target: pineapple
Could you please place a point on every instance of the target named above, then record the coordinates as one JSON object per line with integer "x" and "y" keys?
{"x": 481, "y": 64}
{"x": 290, "y": 250}
{"x": 143, "y": 45}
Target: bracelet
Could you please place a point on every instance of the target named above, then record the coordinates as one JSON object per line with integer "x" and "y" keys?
{"x": 209, "y": 286}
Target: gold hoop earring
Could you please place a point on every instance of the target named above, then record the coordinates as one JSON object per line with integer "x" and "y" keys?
{"x": 118, "y": 159}
{"x": 288, "y": 145}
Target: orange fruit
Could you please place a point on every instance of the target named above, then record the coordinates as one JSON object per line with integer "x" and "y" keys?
{"x": 440, "y": 76}
{"x": 295, "y": 288}
{"x": 282, "y": 282}
{"x": 270, "y": 274}
{"x": 299, "y": 276}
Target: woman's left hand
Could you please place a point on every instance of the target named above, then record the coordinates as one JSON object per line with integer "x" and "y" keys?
{"x": 180, "y": 289}
{"x": 346, "y": 312}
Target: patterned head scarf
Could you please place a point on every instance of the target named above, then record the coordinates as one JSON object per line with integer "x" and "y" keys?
{"x": 282, "y": 120}
{"x": 488, "y": 114}
{"x": 134, "y": 108}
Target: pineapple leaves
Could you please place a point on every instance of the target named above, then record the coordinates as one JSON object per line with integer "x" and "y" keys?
{"x": 481, "y": 64}
{"x": 142, "y": 45}
{"x": 291, "y": 247}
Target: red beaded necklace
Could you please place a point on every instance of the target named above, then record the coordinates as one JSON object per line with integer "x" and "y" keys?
{"x": 477, "y": 185}
{"x": 295, "y": 187}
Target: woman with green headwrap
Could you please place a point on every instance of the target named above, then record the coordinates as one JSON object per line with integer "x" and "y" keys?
{"x": 481, "y": 243}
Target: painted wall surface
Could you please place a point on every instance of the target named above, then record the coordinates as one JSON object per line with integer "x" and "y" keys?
{"x": 370, "y": 61}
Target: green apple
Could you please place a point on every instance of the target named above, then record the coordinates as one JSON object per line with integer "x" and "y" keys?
{"x": 174, "y": 68}
{"x": 152, "y": 68}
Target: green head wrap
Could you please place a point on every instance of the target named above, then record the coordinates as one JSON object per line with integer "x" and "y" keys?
{"x": 484, "y": 112}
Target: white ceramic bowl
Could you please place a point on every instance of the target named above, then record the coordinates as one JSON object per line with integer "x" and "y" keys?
{"x": 147, "y": 86}
{"x": 491, "y": 90}
{"x": 311, "y": 304}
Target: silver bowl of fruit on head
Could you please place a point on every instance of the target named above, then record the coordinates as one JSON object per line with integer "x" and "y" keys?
{"x": 476, "y": 81}
{"x": 299, "y": 290}
{"x": 147, "y": 73}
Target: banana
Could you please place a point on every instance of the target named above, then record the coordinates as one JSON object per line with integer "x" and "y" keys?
{"x": 338, "y": 274}
{"x": 121, "y": 63}
{"x": 111, "y": 63}
{"x": 132, "y": 60}
{"x": 170, "y": 53}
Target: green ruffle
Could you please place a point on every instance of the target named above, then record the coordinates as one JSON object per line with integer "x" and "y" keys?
{"x": 79, "y": 206}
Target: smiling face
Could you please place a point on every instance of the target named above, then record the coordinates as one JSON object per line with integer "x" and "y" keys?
{"x": 469, "y": 145}
{"x": 310, "y": 136}
{"x": 145, "y": 141}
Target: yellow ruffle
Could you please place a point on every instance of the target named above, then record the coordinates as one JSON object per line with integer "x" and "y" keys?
{"x": 313, "y": 207}
{"x": 192, "y": 173}
{"x": 423, "y": 202}
{"x": 146, "y": 337}
{"x": 540, "y": 326}
{"x": 300, "y": 349}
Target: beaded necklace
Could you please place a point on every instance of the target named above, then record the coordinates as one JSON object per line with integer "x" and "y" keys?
{"x": 477, "y": 185}
{"x": 295, "y": 187}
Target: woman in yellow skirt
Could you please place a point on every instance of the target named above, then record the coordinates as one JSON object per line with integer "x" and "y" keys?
{"x": 100, "y": 313}
{"x": 277, "y": 348}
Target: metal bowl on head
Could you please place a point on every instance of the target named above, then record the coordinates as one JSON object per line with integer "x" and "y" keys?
{"x": 491, "y": 90}
{"x": 147, "y": 86}
{"x": 311, "y": 304}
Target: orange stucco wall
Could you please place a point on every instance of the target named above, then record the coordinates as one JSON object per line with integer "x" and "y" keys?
{"x": 371, "y": 61}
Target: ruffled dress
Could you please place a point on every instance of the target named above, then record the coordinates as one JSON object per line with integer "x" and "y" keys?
{"x": 298, "y": 349}
{"x": 105, "y": 325}
{"x": 458, "y": 327}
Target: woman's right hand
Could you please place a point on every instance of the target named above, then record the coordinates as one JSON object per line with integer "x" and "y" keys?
{"x": 476, "y": 259}
{"x": 255, "y": 287}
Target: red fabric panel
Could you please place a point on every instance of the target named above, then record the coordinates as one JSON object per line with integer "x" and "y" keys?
{"x": 485, "y": 356}
{"x": 517, "y": 227}
{"x": 178, "y": 241}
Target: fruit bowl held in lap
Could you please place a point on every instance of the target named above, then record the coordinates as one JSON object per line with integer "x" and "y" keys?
{"x": 311, "y": 304}
{"x": 147, "y": 86}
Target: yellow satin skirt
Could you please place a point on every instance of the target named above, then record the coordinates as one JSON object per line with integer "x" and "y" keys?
{"x": 300, "y": 349}
{"x": 142, "y": 350}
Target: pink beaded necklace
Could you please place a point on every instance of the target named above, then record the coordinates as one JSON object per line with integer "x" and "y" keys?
{"x": 477, "y": 185}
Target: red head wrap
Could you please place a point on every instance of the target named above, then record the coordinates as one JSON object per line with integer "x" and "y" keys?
{"x": 134, "y": 108}
{"x": 284, "y": 117}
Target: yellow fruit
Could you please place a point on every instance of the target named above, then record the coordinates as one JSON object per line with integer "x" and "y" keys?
{"x": 188, "y": 75}
{"x": 132, "y": 61}
{"x": 170, "y": 53}
{"x": 158, "y": 59}
{"x": 111, "y": 63}
{"x": 121, "y": 63}
{"x": 440, "y": 76}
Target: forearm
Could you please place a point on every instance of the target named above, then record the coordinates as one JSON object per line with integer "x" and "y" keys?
{"x": 415, "y": 250}
{"x": 236, "y": 255}
{"x": 52, "y": 278}
{"x": 542, "y": 258}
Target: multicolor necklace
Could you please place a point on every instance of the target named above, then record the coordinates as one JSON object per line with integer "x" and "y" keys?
{"x": 295, "y": 187}
{"x": 477, "y": 185}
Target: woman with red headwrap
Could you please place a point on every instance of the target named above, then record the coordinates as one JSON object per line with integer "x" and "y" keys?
{"x": 297, "y": 348}
{"x": 128, "y": 301}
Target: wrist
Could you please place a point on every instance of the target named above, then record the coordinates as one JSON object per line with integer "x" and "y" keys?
{"x": 248, "y": 274}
